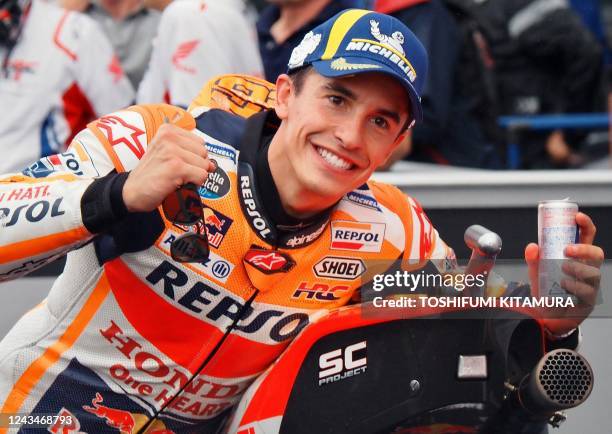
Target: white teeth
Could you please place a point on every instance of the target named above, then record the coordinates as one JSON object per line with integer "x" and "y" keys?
{"x": 333, "y": 159}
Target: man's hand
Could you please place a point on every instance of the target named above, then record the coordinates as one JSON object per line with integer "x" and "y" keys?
{"x": 582, "y": 269}
{"x": 173, "y": 158}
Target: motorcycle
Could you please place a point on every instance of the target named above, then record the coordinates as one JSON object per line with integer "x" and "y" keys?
{"x": 486, "y": 371}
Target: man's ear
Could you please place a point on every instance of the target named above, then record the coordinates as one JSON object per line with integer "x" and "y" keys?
{"x": 284, "y": 90}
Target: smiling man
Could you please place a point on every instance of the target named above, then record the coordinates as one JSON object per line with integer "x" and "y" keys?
{"x": 130, "y": 337}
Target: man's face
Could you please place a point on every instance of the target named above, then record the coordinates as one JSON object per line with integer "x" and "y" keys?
{"x": 337, "y": 131}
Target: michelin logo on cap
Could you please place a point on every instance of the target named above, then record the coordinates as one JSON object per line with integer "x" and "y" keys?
{"x": 387, "y": 46}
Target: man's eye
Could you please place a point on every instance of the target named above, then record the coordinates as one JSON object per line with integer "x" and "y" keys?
{"x": 380, "y": 122}
{"x": 336, "y": 100}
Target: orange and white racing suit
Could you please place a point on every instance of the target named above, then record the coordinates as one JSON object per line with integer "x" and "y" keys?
{"x": 129, "y": 340}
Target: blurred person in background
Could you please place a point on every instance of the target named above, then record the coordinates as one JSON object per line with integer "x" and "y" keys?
{"x": 130, "y": 25}
{"x": 196, "y": 41}
{"x": 58, "y": 73}
{"x": 456, "y": 109}
{"x": 546, "y": 62}
{"x": 283, "y": 24}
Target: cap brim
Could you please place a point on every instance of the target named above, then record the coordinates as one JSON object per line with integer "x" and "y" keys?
{"x": 324, "y": 68}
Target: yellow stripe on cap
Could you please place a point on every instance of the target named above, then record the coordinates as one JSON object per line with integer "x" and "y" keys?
{"x": 341, "y": 26}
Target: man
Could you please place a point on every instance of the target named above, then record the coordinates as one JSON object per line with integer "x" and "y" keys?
{"x": 130, "y": 27}
{"x": 283, "y": 24}
{"x": 452, "y": 132}
{"x": 546, "y": 62}
{"x": 196, "y": 41}
{"x": 52, "y": 81}
{"x": 133, "y": 339}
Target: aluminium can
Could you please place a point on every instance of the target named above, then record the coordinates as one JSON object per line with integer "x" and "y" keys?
{"x": 556, "y": 229}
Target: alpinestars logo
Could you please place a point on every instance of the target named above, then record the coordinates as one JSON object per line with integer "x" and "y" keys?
{"x": 119, "y": 132}
{"x": 269, "y": 261}
{"x": 300, "y": 240}
{"x": 343, "y": 363}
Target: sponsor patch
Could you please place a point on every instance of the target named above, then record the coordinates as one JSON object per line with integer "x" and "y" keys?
{"x": 126, "y": 135}
{"x": 363, "y": 200}
{"x": 256, "y": 220}
{"x": 215, "y": 266}
{"x": 342, "y": 363}
{"x": 25, "y": 193}
{"x": 338, "y": 267}
{"x": 221, "y": 151}
{"x": 307, "y": 46}
{"x": 341, "y": 64}
{"x": 218, "y": 306}
{"x": 269, "y": 261}
{"x": 388, "y": 46}
{"x": 65, "y": 162}
{"x": 33, "y": 213}
{"x": 305, "y": 238}
{"x": 217, "y": 225}
{"x": 217, "y": 185}
{"x": 319, "y": 291}
{"x": 357, "y": 236}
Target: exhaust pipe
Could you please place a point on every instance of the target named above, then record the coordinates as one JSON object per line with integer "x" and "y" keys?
{"x": 561, "y": 380}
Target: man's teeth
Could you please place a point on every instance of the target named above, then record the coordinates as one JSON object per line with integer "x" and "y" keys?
{"x": 333, "y": 159}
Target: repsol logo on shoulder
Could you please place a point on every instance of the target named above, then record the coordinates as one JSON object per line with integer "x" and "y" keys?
{"x": 218, "y": 305}
{"x": 257, "y": 220}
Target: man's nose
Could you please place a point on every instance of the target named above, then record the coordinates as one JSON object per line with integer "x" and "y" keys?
{"x": 350, "y": 134}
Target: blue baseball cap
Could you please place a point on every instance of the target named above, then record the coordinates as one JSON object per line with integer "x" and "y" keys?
{"x": 356, "y": 41}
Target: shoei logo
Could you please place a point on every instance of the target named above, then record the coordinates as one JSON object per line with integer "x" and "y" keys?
{"x": 387, "y": 46}
{"x": 336, "y": 267}
{"x": 357, "y": 236}
{"x": 343, "y": 363}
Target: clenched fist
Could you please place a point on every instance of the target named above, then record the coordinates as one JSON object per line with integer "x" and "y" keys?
{"x": 174, "y": 157}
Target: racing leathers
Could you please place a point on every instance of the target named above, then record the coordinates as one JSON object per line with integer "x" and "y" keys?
{"x": 61, "y": 74}
{"x": 129, "y": 340}
{"x": 196, "y": 41}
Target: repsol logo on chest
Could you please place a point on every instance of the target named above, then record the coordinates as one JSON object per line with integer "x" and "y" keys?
{"x": 215, "y": 304}
{"x": 217, "y": 185}
{"x": 257, "y": 221}
{"x": 32, "y": 213}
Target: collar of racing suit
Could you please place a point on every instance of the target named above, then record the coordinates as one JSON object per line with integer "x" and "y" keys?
{"x": 259, "y": 196}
